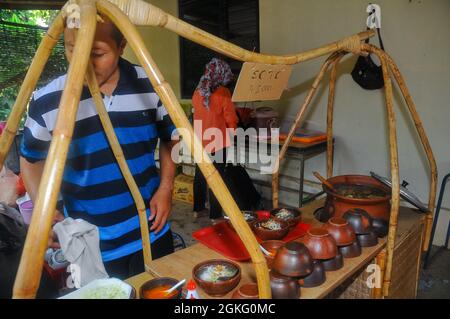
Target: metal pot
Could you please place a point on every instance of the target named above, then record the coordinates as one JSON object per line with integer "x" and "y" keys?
{"x": 336, "y": 205}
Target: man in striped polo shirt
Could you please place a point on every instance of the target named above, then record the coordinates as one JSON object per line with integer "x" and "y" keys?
{"x": 93, "y": 187}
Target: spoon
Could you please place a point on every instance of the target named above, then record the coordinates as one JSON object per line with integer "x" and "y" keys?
{"x": 324, "y": 181}
{"x": 178, "y": 284}
{"x": 265, "y": 251}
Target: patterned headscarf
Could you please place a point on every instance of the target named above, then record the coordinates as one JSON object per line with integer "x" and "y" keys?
{"x": 217, "y": 73}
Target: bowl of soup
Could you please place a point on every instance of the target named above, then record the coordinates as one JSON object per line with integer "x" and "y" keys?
{"x": 157, "y": 289}
{"x": 217, "y": 277}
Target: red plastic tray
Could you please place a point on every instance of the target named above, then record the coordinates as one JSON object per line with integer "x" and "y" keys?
{"x": 223, "y": 239}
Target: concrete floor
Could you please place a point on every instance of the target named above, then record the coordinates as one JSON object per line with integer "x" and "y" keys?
{"x": 433, "y": 282}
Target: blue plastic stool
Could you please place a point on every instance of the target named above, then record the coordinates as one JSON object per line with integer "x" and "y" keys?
{"x": 436, "y": 217}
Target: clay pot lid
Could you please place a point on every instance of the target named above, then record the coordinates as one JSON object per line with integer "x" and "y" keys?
{"x": 318, "y": 232}
{"x": 338, "y": 221}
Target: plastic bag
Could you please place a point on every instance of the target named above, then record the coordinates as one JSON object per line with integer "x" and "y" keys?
{"x": 8, "y": 187}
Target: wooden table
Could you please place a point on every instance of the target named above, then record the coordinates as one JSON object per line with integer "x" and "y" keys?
{"x": 179, "y": 264}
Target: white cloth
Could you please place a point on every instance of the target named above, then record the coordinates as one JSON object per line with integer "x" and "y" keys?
{"x": 81, "y": 246}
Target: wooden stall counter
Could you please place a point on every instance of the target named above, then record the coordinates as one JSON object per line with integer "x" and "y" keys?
{"x": 179, "y": 265}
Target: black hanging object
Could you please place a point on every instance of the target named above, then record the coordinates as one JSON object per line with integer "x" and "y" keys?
{"x": 366, "y": 73}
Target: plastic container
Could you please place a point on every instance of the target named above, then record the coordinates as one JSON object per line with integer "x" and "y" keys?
{"x": 26, "y": 208}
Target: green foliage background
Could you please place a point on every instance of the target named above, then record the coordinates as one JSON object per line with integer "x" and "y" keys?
{"x": 32, "y": 18}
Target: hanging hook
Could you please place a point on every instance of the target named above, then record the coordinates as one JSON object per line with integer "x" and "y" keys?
{"x": 374, "y": 18}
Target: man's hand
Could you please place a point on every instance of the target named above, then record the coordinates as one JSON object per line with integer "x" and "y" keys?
{"x": 52, "y": 238}
{"x": 160, "y": 208}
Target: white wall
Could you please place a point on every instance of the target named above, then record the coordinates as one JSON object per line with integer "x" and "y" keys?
{"x": 416, "y": 34}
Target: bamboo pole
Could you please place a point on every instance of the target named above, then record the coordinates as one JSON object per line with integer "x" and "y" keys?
{"x": 426, "y": 145}
{"x": 377, "y": 292}
{"x": 330, "y": 110}
{"x": 29, "y": 84}
{"x": 142, "y": 13}
{"x": 121, "y": 161}
{"x": 31, "y": 263}
{"x": 180, "y": 120}
{"x": 299, "y": 117}
{"x": 393, "y": 150}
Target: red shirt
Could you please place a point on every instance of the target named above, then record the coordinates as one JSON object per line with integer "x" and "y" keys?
{"x": 221, "y": 115}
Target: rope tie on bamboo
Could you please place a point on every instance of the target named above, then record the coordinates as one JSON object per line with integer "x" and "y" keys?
{"x": 142, "y": 13}
{"x": 351, "y": 44}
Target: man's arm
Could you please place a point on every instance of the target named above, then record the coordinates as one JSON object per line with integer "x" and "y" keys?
{"x": 31, "y": 174}
{"x": 161, "y": 202}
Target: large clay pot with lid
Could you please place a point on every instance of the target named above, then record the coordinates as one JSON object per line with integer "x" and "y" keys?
{"x": 336, "y": 205}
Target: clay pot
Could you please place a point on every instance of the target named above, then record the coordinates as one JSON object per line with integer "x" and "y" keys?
{"x": 316, "y": 278}
{"x": 293, "y": 259}
{"x": 292, "y": 221}
{"x": 359, "y": 220}
{"x": 246, "y": 291}
{"x": 220, "y": 287}
{"x": 340, "y": 230}
{"x": 351, "y": 251}
{"x": 368, "y": 240}
{"x": 333, "y": 264}
{"x": 284, "y": 287}
{"x": 269, "y": 234}
{"x": 336, "y": 205}
{"x": 272, "y": 246}
{"x": 320, "y": 243}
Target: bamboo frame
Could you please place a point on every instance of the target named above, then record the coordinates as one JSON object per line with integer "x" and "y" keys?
{"x": 275, "y": 176}
{"x": 31, "y": 263}
{"x": 142, "y": 13}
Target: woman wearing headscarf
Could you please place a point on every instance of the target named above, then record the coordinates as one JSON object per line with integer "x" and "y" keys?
{"x": 215, "y": 112}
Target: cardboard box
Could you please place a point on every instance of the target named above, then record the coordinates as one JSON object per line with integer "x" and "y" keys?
{"x": 184, "y": 188}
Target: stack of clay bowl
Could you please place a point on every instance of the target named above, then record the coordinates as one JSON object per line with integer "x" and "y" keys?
{"x": 323, "y": 249}
{"x": 362, "y": 224}
{"x": 292, "y": 262}
{"x": 345, "y": 238}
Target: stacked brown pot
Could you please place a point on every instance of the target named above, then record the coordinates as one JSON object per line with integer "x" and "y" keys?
{"x": 361, "y": 223}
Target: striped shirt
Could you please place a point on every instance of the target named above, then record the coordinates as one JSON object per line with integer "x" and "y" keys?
{"x": 93, "y": 187}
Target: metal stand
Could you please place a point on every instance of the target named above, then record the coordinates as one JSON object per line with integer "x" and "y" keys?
{"x": 436, "y": 218}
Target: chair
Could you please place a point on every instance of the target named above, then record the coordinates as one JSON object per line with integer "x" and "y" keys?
{"x": 436, "y": 217}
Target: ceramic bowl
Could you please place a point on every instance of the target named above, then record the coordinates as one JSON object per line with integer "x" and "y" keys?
{"x": 340, "y": 230}
{"x": 359, "y": 219}
{"x": 262, "y": 229}
{"x": 316, "y": 278}
{"x": 368, "y": 240}
{"x": 380, "y": 227}
{"x": 291, "y": 215}
{"x": 320, "y": 243}
{"x": 334, "y": 264}
{"x": 150, "y": 287}
{"x": 293, "y": 259}
{"x": 217, "y": 277}
{"x": 249, "y": 216}
{"x": 246, "y": 291}
{"x": 351, "y": 251}
{"x": 284, "y": 287}
{"x": 272, "y": 246}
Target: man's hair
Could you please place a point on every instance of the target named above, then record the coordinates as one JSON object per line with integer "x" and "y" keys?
{"x": 116, "y": 34}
